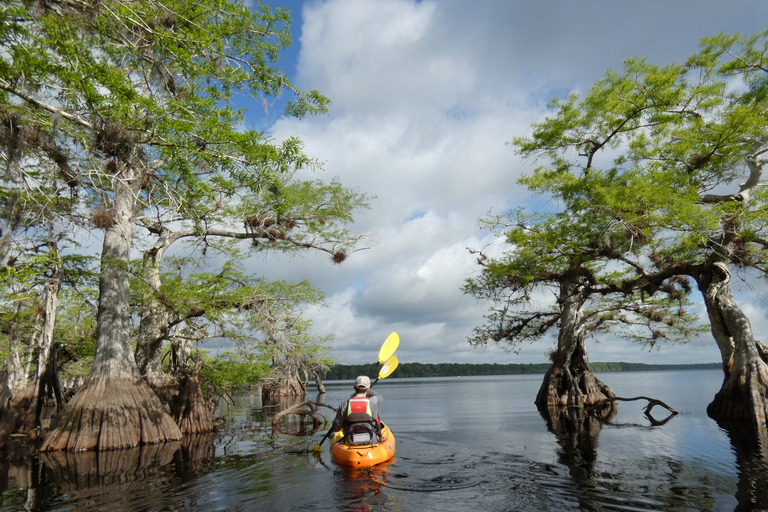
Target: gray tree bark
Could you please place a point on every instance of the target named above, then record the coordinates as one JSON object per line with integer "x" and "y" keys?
{"x": 743, "y": 397}
{"x": 115, "y": 408}
{"x": 570, "y": 380}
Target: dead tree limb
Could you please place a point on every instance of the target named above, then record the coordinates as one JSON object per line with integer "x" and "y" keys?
{"x": 652, "y": 402}
{"x": 306, "y": 408}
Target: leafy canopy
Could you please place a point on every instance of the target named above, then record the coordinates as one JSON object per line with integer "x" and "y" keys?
{"x": 644, "y": 172}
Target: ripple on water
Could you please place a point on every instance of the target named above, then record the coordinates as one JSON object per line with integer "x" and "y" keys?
{"x": 437, "y": 478}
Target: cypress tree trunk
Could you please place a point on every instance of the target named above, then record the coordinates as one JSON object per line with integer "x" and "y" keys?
{"x": 153, "y": 327}
{"x": 192, "y": 413}
{"x": 743, "y": 397}
{"x": 149, "y": 344}
{"x": 283, "y": 386}
{"x": 46, "y": 377}
{"x": 115, "y": 408}
{"x": 21, "y": 409}
{"x": 570, "y": 380}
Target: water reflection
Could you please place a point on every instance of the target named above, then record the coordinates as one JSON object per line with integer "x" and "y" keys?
{"x": 119, "y": 469}
{"x": 577, "y": 434}
{"x": 657, "y": 481}
{"x": 93, "y": 480}
{"x": 195, "y": 453}
{"x": 506, "y": 461}
{"x": 28, "y": 474}
{"x": 361, "y": 488}
{"x": 106, "y": 479}
{"x": 751, "y": 447}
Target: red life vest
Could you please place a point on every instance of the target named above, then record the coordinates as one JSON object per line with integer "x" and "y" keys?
{"x": 360, "y": 427}
{"x": 359, "y": 410}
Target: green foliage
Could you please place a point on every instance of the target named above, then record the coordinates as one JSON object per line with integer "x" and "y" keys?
{"x": 259, "y": 321}
{"x": 631, "y": 167}
{"x": 229, "y": 370}
{"x": 74, "y": 334}
{"x": 22, "y": 282}
{"x": 152, "y": 84}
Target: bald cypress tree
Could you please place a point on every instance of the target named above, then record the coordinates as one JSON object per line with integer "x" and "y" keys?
{"x": 655, "y": 175}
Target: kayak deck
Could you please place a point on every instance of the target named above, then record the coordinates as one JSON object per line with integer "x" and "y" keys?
{"x": 363, "y": 456}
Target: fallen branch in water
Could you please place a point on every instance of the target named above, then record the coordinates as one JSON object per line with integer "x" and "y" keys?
{"x": 307, "y": 408}
{"x": 652, "y": 402}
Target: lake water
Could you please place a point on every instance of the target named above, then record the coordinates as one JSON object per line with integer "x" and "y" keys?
{"x": 463, "y": 444}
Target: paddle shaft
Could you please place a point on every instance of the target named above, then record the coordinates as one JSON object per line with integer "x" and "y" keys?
{"x": 327, "y": 435}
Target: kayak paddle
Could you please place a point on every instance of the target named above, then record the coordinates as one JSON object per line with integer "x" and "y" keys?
{"x": 387, "y": 349}
{"x": 387, "y": 369}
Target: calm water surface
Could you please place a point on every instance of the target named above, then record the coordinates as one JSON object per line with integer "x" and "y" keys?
{"x": 470, "y": 443}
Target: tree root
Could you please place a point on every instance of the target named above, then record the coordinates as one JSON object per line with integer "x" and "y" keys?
{"x": 652, "y": 402}
{"x": 111, "y": 413}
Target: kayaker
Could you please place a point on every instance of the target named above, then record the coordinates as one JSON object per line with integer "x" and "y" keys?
{"x": 358, "y": 415}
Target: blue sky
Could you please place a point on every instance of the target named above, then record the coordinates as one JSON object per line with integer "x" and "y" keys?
{"x": 426, "y": 96}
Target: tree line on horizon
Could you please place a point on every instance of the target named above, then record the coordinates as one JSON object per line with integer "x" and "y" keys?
{"x": 420, "y": 370}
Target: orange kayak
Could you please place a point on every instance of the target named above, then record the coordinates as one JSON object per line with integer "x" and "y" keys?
{"x": 363, "y": 456}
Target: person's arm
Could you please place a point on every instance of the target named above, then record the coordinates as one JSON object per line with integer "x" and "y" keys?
{"x": 375, "y": 398}
{"x": 338, "y": 421}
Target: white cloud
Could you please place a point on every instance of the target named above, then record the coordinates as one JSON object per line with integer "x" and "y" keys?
{"x": 425, "y": 97}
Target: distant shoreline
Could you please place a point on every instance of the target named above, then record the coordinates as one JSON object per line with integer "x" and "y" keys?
{"x": 407, "y": 370}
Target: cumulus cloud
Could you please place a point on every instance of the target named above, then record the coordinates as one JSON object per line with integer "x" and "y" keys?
{"x": 426, "y": 95}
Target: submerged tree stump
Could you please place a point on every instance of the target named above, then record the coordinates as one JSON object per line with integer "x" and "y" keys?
{"x": 320, "y": 385}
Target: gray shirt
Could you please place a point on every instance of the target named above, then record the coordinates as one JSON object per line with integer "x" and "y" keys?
{"x": 374, "y": 401}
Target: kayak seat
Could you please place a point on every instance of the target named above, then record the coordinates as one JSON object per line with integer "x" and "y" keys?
{"x": 361, "y": 433}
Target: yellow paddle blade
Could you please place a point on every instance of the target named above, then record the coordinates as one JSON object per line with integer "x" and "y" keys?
{"x": 389, "y": 347}
{"x": 388, "y": 367}
{"x": 316, "y": 449}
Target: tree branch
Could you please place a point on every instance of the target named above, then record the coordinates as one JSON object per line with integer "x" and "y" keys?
{"x": 54, "y": 110}
{"x": 652, "y": 402}
{"x": 755, "y": 164}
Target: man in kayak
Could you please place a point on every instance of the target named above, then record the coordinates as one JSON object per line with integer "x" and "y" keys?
{"x": 358, "y": 415}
